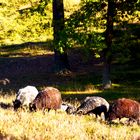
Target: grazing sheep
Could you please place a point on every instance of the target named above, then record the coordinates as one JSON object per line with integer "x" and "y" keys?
{"x": 25, "y": 96}
{"x": 49, "y": 98}
{"x": 68, "y": 108}
{"x": 95, "y": 105}
{"x": 4, "y": 81}
{"x": 123, "y": 107}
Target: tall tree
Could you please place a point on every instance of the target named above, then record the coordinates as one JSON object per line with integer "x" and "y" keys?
{"x": 60, "y": 57}
{"x": 108, "y": 39}
{"x": 114, "y": 6}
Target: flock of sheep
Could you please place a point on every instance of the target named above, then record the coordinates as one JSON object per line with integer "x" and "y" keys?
{"x": 50, "y": 98}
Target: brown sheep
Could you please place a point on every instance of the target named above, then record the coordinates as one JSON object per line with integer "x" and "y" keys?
{"x": 123, "y": 107}
{"x": 49, "y": 98}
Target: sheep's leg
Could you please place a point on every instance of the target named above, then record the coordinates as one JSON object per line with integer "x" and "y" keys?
{"x": 44, "y": 110}
{"x": 103, "y": 116}
{"x": 132, "y": 120}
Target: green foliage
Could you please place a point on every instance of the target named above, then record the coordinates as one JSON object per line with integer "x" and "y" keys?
{"x": 84, "y": 27}
{"x": 126, "y": 42}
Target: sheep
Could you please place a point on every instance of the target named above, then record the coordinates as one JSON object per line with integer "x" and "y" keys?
{"x": 70, "y": 109}
{"x": 95, "y": 105}
{"x": 123, "y": 107}
{"x": 4, "y": 81}
{"x": 25, "y": 96}
{"x": 49, "y": 98}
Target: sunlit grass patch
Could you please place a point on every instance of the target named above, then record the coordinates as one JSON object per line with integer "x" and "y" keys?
{"x": 7, "y": 98}
{"x": 18, "y": 25}
{"x": 27, "y": 49}
{"x": 68, "y": 3}
{"x": 90, "y": 91}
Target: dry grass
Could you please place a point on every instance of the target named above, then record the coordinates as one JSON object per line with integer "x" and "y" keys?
{"x": 58, "y": 125}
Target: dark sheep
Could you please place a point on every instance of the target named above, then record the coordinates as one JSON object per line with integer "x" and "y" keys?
{"x": 49, "y": 98}
{"x": 123, "y": 107}
{"x": 95, "y": 105}
{"x": 4, "y": 81}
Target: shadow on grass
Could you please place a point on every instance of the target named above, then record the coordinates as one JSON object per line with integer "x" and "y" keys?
{"x": 79, "y": 86}
{"x": 6, "y": 137}
{"x": 10, "y": 49}
{"x": 108, "y": 95}
{"x": 5, "y": 105}
{"x": 13, "y": 68}
{"x": 129, "y": 89}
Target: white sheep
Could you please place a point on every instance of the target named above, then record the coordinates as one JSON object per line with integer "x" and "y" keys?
{"x": 25, "y": 96}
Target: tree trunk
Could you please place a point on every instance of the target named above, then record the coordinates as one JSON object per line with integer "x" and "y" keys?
{"x": 61, "y": 58}
{"x": 106, "y": 70}
{"x": 107, "y": 52}
{"x": 61, "y": 61}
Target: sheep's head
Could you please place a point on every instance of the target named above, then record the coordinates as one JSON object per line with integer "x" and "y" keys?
{"x": 16, "y": 104}
{"x": 80, "y": 112}
{"x": 71, "y": 110}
